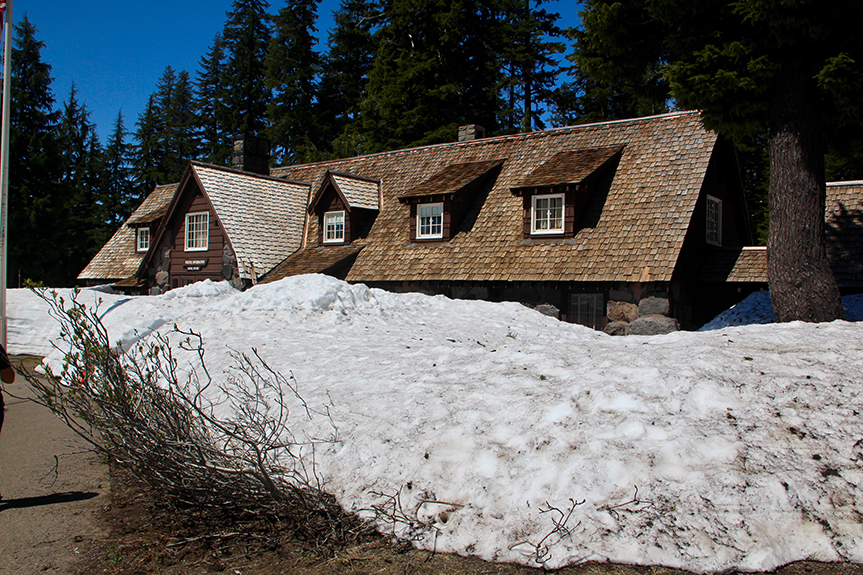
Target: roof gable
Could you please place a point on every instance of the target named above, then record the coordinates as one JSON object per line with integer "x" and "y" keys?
{"x": 355, "y": 191}
{"x": 119, "y": 258}
{"x": 263, "y": 217}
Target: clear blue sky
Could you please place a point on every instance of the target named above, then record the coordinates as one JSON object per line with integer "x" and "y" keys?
{"x": 115, "y": 50}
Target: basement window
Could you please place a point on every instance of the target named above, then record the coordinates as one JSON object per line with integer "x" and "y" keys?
{"x": 714, "y": 221}
{"x": 197, "y": 232}
{"x": 334, "y": 227}
{"x": 430, "y": 221}
{"x": 587, "y": 309}
{"x": 143, "y": 239}
{"x": 546, "y": 214}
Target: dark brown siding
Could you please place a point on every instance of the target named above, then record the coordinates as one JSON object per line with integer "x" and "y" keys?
{"x": 182, "y": 269}
{"x": 332, "y": 202}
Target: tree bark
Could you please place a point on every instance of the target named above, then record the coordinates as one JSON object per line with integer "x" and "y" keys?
{"x": 802, "y": 286}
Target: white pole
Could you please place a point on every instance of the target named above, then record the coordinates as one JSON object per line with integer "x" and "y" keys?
{"x": 4, "y": 163}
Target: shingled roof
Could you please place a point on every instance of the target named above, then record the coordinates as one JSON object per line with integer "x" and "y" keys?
{"x": 263, "y": 216}
{"x": 452, "y": 179}
{"x": 844, "y": 209}
{"x": 570, "y": 167}
{"x": 638, "y": 219}
{"x": 118, "y": 258}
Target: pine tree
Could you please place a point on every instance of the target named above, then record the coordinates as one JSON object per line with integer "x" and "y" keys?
{"x": 523, "y": 39}
{"x": 246, "y": 39}
{"x": 616, "y": 64}
{"x": 209, "y": 104}
{"x": 147, "y": 159}
{"x": 432, "y": 72}
{"x": 179, "y": 120}
{"x": 292, "y": 69}
{"x": 118, "y": 197}
{"x": 345, "y": 70}
{"x": 35, "y": 202}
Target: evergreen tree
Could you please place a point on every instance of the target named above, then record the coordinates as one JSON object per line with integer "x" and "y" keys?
{"x": 209, "y": 103}
{"x": 147, "y": 160}
{"x": 524, "y": 42}
{"x": 118, "y": 194}
{"x": 433, "y": 71}
{"x": 246, "y": 40}
{"x": 81, "y": 167}
{"x": 35, "y": 202}
{"x": 616, "y": 64}
{"x": 345, "y": 70}
{"x": 292, "y": 69}
{"x": 179, "y": 120}
{"x": 792, "y": 69}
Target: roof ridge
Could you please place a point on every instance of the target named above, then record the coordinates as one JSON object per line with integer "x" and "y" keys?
{"x": 235, "y": 171}
{"x": 845, "y": 183}
{"x": 495, "y": 139}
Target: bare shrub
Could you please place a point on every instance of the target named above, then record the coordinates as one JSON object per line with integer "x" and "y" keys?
{"x": 197, "y": 442}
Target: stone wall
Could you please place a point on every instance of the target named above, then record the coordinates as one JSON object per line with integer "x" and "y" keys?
{"x": 639, "y": 310}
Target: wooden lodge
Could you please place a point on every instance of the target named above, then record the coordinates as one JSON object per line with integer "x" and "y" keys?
{"x": 634, "y": 226}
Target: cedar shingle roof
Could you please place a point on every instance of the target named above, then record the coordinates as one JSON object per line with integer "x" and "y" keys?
{"x": 638, "y": 219}
{"x": 743, "y": 265}
{"x": 452, "y": 179}
{"x": 311, "y": 261}
{"x": 844, "y": 209}
{"x": 359, "y": 192}
{"x": 118, "y": 258}
{"x": 570, "y": 167}
{"x": 263, "y": 216}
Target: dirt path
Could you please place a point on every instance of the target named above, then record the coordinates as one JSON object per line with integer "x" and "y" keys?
{"x": 53, "y": 488}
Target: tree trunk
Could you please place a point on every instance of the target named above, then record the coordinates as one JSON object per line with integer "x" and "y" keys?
{"x": 802, "y": 285}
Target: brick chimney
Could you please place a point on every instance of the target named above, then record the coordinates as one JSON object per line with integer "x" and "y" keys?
{"x": 470, "y": 132}
{"x": 251, "y": 154}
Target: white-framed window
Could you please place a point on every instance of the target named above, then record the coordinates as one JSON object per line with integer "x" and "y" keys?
{"x": 334, "y": 227}
{"x": 430, "y": 221}
{"x": 143, "y": 239}
{"x": 714, "y": 221}
{"x": 197, "y": 231}
{"x": 546, "y": 214}
{"x": 587, "y": 309}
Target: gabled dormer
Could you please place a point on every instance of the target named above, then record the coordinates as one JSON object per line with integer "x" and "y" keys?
{"x": 438, "y": 205}
{"x": 346, "y": 205}
{"x": 556, "y": 194}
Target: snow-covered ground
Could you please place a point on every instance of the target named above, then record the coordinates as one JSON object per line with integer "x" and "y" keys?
{"x": 734, "y": 448}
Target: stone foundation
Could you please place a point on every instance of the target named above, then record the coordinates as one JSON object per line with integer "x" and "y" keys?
{"x": 631, "y": 313}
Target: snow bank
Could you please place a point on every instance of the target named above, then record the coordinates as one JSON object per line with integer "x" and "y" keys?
{"x": 728, "y": 449}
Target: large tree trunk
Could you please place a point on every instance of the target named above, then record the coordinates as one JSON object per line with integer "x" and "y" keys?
{"x": 802, "y": 285}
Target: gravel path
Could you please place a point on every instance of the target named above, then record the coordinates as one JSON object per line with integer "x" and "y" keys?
{"x": 53, "y": 488}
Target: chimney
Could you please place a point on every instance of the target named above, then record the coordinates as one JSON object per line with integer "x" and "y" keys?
{"x": 251, "y": 154}
{"x": 470, "y": 132}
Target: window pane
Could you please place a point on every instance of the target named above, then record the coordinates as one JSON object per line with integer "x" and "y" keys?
{"x": 143, "y": 239}
{"x": 334, "y": 226}
{"x": 431, "y": 220}
{"x": 547, "y": 213}
{"x": 587, "y": 309}
{"x": 197, "y": 231}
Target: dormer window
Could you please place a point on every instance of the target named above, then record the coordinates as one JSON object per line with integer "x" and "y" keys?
{"x": 346, "y": 205}
{"x": 439, "y": 204}
{"x": 556, "y": 195}
{"x": 546, "y": 214}
{"x": 143, "y": 239}
{"x": 334, "y": 227}
{"x": 430, "y": 221}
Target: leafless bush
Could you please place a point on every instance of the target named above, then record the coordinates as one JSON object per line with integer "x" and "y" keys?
{"x": 541, "y": 550}
{"x": 196, "y": 442}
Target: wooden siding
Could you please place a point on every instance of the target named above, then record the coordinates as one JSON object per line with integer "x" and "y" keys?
{"x": 181, "y": 271}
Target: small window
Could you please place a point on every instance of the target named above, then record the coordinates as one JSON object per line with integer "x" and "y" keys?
{"x": 587, "y": 309}
{"x": 430, "y": 221}
{"x": 143, "y": 239}
{"x": 197, "y": 232}
{"x": 546, "y": 214}
{"x": 334, "y": 227}
{"x": 714, "y": 221}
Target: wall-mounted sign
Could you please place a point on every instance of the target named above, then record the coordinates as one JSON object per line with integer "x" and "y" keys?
{"x": 194, "y": 265}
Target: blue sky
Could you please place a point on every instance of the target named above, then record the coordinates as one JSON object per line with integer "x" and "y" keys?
{"x": 115, "y": 50}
